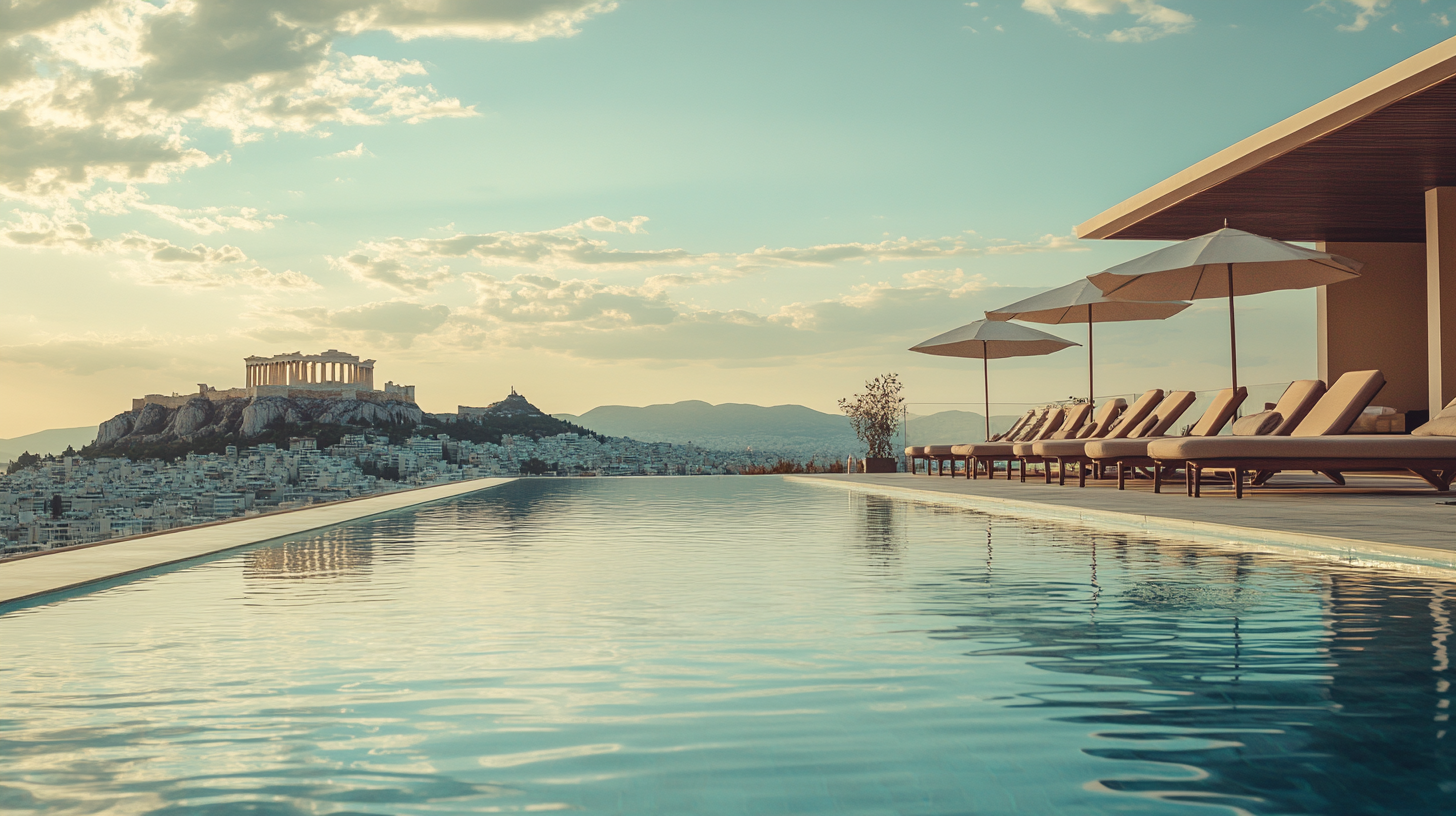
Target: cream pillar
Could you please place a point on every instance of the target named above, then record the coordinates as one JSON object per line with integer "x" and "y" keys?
{"x": 1441, "y": 296}
{"x": 1377, "y": 320}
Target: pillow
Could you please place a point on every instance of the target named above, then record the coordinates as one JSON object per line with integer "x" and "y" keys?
{"x": 1260, "y": 424}
{"x": 1442, "y": 424}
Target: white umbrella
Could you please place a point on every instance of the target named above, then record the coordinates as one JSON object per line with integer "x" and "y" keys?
{"x": 991, "y": 340}
{"x": 1083, "y": 302}
{"x": 1223, "y": 263}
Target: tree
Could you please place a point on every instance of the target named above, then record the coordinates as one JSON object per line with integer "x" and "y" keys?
{"x": 875, "y": 414}
{"x": 534, "y": 467}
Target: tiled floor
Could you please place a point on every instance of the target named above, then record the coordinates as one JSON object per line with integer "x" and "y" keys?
{"x": 1392, "y": 513}
{"x": 26, "y": 577}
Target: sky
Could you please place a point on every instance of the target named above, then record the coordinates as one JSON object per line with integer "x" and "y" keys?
{"x": 628, "y": 202}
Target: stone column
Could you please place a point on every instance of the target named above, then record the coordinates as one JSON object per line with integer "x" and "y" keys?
{"x": 1441, "y": 296}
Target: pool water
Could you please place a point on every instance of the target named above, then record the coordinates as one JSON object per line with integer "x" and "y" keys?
{"x": 746, "y": 645}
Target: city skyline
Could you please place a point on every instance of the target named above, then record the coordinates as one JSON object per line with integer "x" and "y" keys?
{"x": 631, "y": 203}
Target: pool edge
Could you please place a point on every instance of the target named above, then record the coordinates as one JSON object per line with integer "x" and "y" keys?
{"x": 24, "y": 579}
{"x": 1371, "y": 553}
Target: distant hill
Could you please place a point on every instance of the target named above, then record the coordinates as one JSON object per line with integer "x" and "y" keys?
{"x": 734, "y": 426}
{"x": 54, "y": 440}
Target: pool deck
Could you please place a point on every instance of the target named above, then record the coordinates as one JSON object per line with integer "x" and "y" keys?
{"x": 31, "y": 575}
{"x": 1394, "y": 520}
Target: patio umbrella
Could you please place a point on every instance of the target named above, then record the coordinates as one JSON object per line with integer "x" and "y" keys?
{"x": 991, "y": 340}
{"x": 1223, "y": 263}
{"x": 1082, "y": 302}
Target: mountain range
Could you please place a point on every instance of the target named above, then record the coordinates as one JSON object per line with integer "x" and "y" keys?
{"x": 787, "y": 428}
{"x": 54, "y": 440}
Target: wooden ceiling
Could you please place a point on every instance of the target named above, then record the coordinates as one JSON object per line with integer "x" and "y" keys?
{"x": 1354, "y": 167}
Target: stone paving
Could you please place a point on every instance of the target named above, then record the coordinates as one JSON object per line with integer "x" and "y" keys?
{"x": 29, "y": 576}
{"x": 1388, "y": 517}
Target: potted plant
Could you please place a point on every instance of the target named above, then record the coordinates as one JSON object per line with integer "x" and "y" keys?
{"x": 875, "y": 415}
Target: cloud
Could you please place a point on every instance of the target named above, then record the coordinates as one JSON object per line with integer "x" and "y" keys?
{"x": 114, "y": 90}
{"x": 390, "y": 273}
{"x": 389, "y": 262}
{"x": 202, "y": 220}
{"x": 392, "y": 323}
{"x": 1366, "y": 11}
{"x": 355, "y": 152}
{"x": 1153, "y": 19}
{"x": 90, "y": 354}
{"x": 590, "y": 320}
{"x": 565, "y": 247}
{"x": 148, "y": 260}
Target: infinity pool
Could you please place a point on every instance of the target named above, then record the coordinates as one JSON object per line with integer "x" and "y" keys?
{"x": 730, "y": 646}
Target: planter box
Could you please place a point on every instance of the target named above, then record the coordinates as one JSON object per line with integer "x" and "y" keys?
{"x": 881, "y": 465}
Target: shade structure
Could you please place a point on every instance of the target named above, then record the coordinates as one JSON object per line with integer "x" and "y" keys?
{"x": 992, "y": 340}
{"x": 1083, "y": 302}
{"x": 1223, "y": 264}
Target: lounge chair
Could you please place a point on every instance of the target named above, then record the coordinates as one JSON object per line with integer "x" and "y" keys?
{"x": 1046, "y": 423}
{"x": 1076, "y": 426}
{"x": 1131, "y": 453}
{"x": 1068, "y": 451}
{"x": 913, "y": 455}
{"x": 1320, "y": 444}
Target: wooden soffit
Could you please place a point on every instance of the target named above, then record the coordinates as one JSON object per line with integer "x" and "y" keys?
{"x": 1355, "y": 167}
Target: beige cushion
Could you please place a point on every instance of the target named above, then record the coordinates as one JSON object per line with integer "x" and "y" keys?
{"x": 1294, "y": 405}
{"x": 1221, "y": 410}
{"x": 938, "y": 450}
{"x": 1145, "y": 429}
{"x": 1260, "y": 424}
{"x": 1060, "y": 447}
{"x": 1384, "y": 446}
{"x": 1134, "y": 416}
{"x": 1113, "y": 449}
{"x": 915, "y": 451}
{"x": 1169, "y": 410}
{"x": 1442, "y": 424}
{"x": 984, "y": 449}
{"x": 1076, "y": 419}
{"x": 1336, "y": 410}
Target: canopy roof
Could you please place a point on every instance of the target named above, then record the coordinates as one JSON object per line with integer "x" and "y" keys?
{"x": 1355, "y": 167}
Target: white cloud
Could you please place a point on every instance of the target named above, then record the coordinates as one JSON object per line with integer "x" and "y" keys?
{"x": 591, "y": 320}
{"x": 93, "y": 353}
{"x": 355, "y": 152}
{"x": 1153, "y": 20}
{"x": 390, "y": 273}
{"x": 112, "y": 90}
{"x": 1366, "y": 12}
{"x": 395, "y": 323}
{"x": 389, "y": 262}
{"x": 202, "y": 220}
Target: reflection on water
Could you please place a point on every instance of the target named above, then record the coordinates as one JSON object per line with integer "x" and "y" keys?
{"x": 729, "y": 646}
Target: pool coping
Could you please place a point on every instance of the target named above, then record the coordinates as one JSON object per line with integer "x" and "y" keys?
{"x": 1424, "y": 560}
{"x": 35, "y": 574}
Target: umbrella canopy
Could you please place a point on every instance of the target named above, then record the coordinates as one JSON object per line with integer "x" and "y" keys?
{"x": 1223, "y": 263}
{"x": 992, "y": 340}
{"x": 1083, "y": 302}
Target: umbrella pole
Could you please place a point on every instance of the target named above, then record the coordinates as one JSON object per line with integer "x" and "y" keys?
{"x": 1233, "y": 334}
{"x": 986, "y": 384}
{"x": 1091, "y": 391}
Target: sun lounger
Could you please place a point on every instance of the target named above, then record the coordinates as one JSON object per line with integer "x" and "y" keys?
{"x": 915, "y": 453}
{"x": 1068, "y": 451}
{"x": 1075, "y": 427}
{"x": 1318, "y": 443}
{"x": 1049, "y": 421}
{"x": 1131, "y": 453}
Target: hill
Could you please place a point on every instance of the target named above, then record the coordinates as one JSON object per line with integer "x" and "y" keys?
{"x": 54, "y": 440}
{"x": 788, "y": 428}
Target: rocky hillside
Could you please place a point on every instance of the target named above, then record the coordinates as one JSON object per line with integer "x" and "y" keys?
{"x": 242, "y": 419}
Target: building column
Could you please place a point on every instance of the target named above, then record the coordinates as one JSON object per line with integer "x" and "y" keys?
{"x": 1377, "y": 320}
{"x": 1441, "y": 295}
